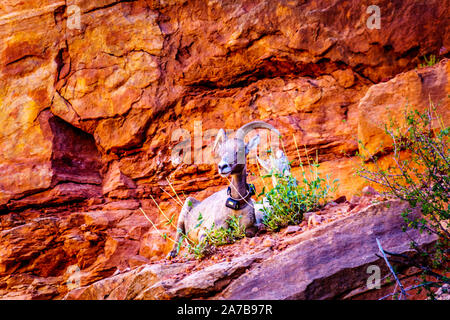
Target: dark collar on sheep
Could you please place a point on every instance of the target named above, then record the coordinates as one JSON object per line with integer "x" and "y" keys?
{"x": 238, "y": 204}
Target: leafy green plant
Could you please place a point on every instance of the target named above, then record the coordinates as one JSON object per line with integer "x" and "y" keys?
{"x": 214, "y": 237}
{"x": 420, "y": 176}
{"x": 289, "y": 199}
{"x": 428, "y": 62}
{"x": 223, "y": 236}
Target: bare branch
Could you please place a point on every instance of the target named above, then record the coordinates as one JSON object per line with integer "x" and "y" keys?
{"x": 392, "y": 270}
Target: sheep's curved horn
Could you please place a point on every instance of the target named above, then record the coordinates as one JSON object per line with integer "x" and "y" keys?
{"x": 246, "y": 128}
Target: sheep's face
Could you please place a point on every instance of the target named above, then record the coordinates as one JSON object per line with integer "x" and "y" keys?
{"x": 232, "y": 153}
{"x": 232, "y": 157}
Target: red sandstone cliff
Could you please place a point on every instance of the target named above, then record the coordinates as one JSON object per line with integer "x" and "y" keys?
{"x": 88, "y": 110}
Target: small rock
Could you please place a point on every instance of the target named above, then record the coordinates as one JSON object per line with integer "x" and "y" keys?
{"x": 368, "y": 190}
{"x": 345, "y": 78}
{"x": 252, "y": 242}
{"x": 268, "y": 242}
{"x": 136, "y": 261}
{"x": 355, "y": 200}
{"x": 314, "y": 220}
{"x": 292, "y": 229}
{"x": 330, "y": 204}
{"x": 341, "y": 199}
{"x": 91, "y": 236}
{"x": 307, "y": 215}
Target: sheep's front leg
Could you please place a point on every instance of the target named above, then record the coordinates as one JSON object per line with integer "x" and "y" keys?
{"x": 248, "y": 220}
{"x": 181, "y": 226}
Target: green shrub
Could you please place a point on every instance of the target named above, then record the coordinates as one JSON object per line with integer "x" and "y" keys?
{"x": 428, "y": 62}
{"x": 289, "y": 200}
{"x": 223, "y": 236}
{"x": 422, "y": 179}
{"x": 215, "y": 237}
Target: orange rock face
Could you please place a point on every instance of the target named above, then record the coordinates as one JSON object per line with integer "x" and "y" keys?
{"x": 96, "y": 96}
{"x": 408, "y": 91}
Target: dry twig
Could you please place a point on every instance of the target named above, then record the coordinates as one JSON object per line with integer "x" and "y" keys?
{"x": 402, "y": 290}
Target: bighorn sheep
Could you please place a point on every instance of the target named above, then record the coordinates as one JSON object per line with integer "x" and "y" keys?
{"x": 232, "y": 201}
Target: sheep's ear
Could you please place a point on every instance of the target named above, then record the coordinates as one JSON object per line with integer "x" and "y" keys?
{"x": 252, "y": 144}
{"x": 220, "y": 139}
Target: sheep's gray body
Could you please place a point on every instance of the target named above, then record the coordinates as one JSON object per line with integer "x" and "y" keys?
{"x": 213, "y": 213}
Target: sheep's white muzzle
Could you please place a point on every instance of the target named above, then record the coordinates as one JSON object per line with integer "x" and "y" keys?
{"x": 224, "y": 169}
{"x": 225, "y": 173}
